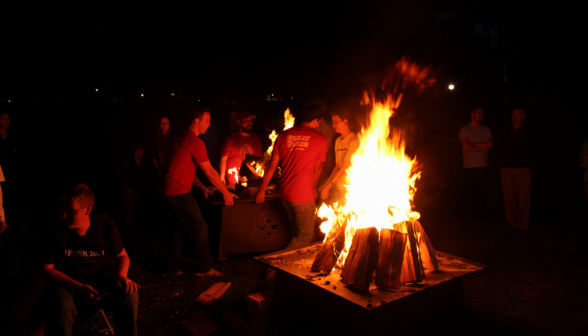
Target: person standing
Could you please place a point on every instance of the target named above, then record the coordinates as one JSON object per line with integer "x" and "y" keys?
{"x": 475, "y": 141}
{"x": 515, "y": 161}
{"x": 180, "y": 175}
{"x": 345, "y": 146}
{"x": 238, "y": 144}
{"x": 301, "y": 152}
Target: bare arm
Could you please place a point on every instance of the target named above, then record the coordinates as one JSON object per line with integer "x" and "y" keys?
{"x": 223, "y": 168}
{"x": 486, "y": 144}
{"x": 214, "y": 178}
{"x": 200, "y": 186}
{"x": 122, "y": 269}
{"x": 476, "y": 147}
{"x": 267, "y": 176}
{"x": 62, "y": 280}
{"x": 3, "y": 224}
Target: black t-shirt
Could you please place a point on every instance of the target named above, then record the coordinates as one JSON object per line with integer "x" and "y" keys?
{"x": 82, "y": 258}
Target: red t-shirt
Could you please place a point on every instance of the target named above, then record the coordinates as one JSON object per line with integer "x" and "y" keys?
{"x": 236, "y": 147}
{"x": 181, "y": 167}
{"x": 299, "y": 149}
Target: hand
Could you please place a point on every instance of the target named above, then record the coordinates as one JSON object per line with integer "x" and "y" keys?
{"x": 128, "y": 285}
{"x": 228, "y": 197}
{"x": 223, "y": 180}
{"x": 325, "y": 191}
{"x": 88, "y": 293}
{"x": 205, "y": 191}
{"x": 260, "y": 198}
{"x": 3, "y": 226}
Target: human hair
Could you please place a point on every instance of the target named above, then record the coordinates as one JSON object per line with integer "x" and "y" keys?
{"x": 198, "y": 112}
{"x": 343, "y": 112}
{"x": 311, "y": 111}
{"x": 515, "y": 109}
{"x": 82, "y": 193}
{"x": 474, "y": 108}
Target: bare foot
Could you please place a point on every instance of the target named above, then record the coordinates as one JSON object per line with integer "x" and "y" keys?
{"x": 210, "y": 273}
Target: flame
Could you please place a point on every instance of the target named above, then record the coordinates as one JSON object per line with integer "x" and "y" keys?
{"x": 234, "y": 171}
{"x": 259, "y": 167}
{"x": 381, "y": 180}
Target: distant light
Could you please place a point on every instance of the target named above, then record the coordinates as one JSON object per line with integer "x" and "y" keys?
{"x": 198, "y": 99}
{"x": 451, "y": 87}
{"x": 10, "y": 101}
{"x": 173, "y": 94}
{"x": 96, "y": 90}
{"x": 272, "y": 94}
{"x": 142, "y": 95}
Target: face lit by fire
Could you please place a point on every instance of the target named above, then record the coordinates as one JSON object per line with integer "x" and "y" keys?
{"x": 246, "y": 124}
{"x": 340, "y": 125}
{"x": 203, "y": 123}
{"x": 73, "y": 214}
{"x": 477, "y": 115}
{"x": 164, "y": 125}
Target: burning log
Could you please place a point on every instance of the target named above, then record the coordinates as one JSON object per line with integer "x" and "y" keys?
{"x": 392, "y": 246}
{"x": 362, "y": 259}
{"x": 329, "y": 253}
{"x": 412, "y": 268}
{"x": 426, "y": 248}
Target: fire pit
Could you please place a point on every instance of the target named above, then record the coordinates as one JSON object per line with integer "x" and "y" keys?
{"x": 324, "y": 303}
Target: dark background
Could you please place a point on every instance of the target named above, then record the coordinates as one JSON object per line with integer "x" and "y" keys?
{"x": 227, "y": 56}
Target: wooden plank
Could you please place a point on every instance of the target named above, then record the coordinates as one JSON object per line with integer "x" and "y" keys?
{"x": 427, "y": 250}
{"x": 362, "y": 259}
{"x": 199, "y": 324}
{"x": 391, "y": 257}
{"x": 327, "y": 256}
{"x": 213, "y": 292}
{"x": 418, "y": 269}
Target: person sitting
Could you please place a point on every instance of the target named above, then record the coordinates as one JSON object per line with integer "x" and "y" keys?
{"x": 73, "y": 264}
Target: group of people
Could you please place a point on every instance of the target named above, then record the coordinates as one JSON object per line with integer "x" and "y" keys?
{"x": 515, "y": 148}
{"x": 73, "y": 258}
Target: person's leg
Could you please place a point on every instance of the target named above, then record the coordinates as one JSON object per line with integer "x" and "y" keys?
{"x": 304, "y": 218}
{"x": 288, "y": 208}
{"x": 126, "y": 310}
{"x": 509, "y": 195}
{"x": 524, "y": 196}
{"x": 481, "y": 176}
{"x": 188, "y": 212}
{"x": 175, "y": 238}
{"x": 60, "y": 312}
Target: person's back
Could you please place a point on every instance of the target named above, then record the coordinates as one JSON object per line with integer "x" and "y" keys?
{"x": 299, "y": 148}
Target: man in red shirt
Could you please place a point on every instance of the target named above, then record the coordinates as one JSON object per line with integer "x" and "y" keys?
{"x": 180, "y": 175}
{"x": 301, "y": 152}
{"x": 238, "y": 144}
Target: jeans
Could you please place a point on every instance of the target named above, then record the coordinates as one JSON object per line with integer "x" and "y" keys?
{"x": 64, "y": 305}
{"x": 474, "y": 181}
{"x": 191, "y": 222}
{"x": 302, "y": 216}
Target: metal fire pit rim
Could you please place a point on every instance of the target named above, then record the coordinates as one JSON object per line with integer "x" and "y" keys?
{"x": 376, "y": 308}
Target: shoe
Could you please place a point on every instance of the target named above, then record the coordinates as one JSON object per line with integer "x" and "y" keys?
{"x": 210, "y": 273}
{"x": 172, "y": 273}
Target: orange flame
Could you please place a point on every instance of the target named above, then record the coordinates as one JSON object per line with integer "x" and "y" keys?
{"x": 259, "y": 167}
{"x": 381, "y": 180}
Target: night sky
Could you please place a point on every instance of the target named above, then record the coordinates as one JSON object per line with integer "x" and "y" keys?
{"x": 320, "y": 49}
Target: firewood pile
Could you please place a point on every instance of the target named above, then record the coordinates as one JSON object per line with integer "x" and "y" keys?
{"x": 395, "y": 256}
